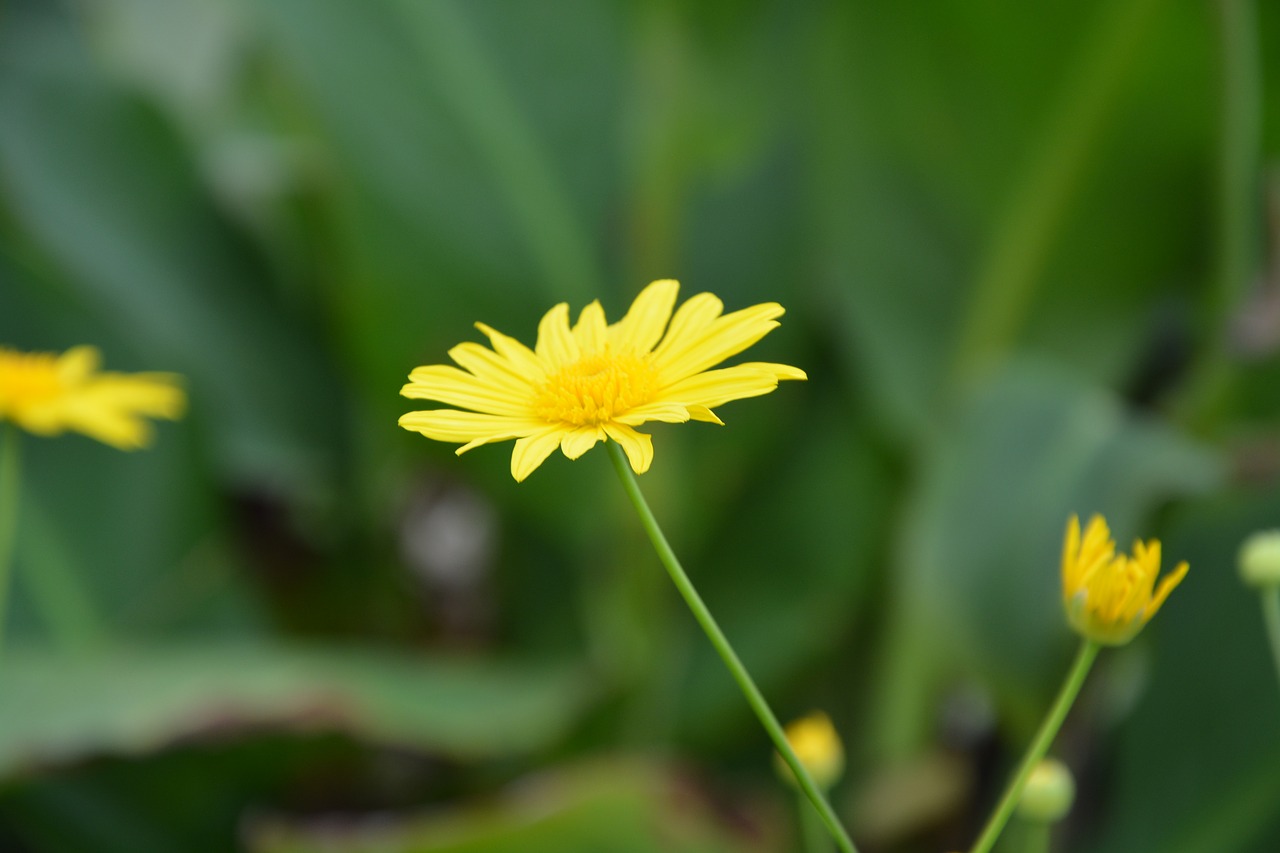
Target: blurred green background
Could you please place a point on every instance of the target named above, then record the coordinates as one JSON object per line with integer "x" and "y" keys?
{"x": 1029, "y": 257}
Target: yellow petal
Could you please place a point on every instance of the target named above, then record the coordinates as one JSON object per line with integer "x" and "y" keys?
{"x": 555, "y": 341}
{"x": 455, "y": 387}
{"x": 1070, "y": 554}
{"x": 726, "y": 336}
{"x": 113, "y": 407}
{"x": 531, "y": 451}
{"x": 1167, "y": 586}
{"x": 671, "y": 413}
{"x": 523, "y": 360}
{"x": 471, "y": 428}
{"x": 702, "y": 413}
{"x": 780, "y": 371}
{"x": 637, "y": 445}
{"x": 79, "y": 362}
{"x": 591, "y": 329}
{"x": 579, "y": 441}
{"x": 716, "y": 387}
{"x": 641, "y": 329}
{"x": 691, "y": 321}
{"x": 487, "y": 365}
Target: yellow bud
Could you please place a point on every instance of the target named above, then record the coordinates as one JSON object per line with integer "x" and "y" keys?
{"x": 1049, "y": 792}
{"x": 1108, "y": 596}
{"x": 814, "y": 740}
{"x": 1260, "y": 559}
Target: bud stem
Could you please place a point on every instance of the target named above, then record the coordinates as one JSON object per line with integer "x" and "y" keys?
{"x": 1039, "y": 745}
{"x": 1271, "y": 615}
{"x": 721, "y": 643}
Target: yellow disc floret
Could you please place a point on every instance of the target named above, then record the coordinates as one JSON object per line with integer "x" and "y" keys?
{"x": 595, "y": 390}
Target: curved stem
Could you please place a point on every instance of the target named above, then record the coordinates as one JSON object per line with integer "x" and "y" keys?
{"x": 1039, "y": 746}
{"x": 726, "y": 652}
{"x": 10, "y": 482}
{"x": 1271, "y": 615}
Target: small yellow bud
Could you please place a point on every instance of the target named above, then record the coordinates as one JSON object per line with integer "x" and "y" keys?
{"x": 816, "y": 744}
{"x": 1049, "y": 792}
{"x": 1109, "y": 597}
{"x": 1260, "y": 559}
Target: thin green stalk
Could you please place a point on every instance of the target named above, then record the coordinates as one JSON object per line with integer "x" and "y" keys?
{"x": 1239, "y": 199}
{"x": 54, "y": 586}
{"x": 1271, "y": 615}
{"x": 1036, "y": 838}
{"x": 1039, "y": 746}
{"x": 726, "y": 652}
{"x": 1239, "y": 208}
{"x": 10, "y": 483}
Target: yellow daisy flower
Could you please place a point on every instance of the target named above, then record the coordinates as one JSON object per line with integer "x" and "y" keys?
{"x": 1108, "y": 596}
{"x": 597, "y": 381}
{"x": 47, "y": 394}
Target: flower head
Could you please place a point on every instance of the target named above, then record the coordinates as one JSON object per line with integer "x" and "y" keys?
{"x": 47, "y": 394}
{"x": 814, "y": 740}
{"x": 1109, "y": 596}
{"x": 596, "y": 381}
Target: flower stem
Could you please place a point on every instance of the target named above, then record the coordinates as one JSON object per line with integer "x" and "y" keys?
{"x": 10, "y": 481}
{"x": 726, "y": 652}
{"x": 1039, "y": 746}
{"x": 1036, "y": 838}
{"x": 1271, "y": 615}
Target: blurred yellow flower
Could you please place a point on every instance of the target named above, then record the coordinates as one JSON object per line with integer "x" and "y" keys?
{"x": 597, "y": 381}
{"x": 47, "y": 394}
{"x": 1108, "y": 596}
{"x": 814, "y": 740}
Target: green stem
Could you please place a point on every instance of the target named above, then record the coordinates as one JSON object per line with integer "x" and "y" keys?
{"x": 10, "y": 482}
{"x": 726, "y": 652}
{"x": 1239, "y": 209}
{"x": 1036, "y": 838}
{"x": 55, "y": 588}
{"x": 1240, "y": 155}
{"x": 1271, "y": 615}
{"x": 1039, "y": 746}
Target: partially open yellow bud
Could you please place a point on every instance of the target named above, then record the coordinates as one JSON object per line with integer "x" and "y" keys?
{"x": 1260, "y": 559}
{"x": 1108, "y": 597}
{"x": 816, "y": 744}
{"x": 1049, "y": 792}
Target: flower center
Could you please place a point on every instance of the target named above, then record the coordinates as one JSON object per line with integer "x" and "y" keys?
{"x": 595, "y": 389}
{"x": 28, "y": 378}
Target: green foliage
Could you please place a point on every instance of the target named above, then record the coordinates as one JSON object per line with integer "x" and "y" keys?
{"x": 1024, "y": 255}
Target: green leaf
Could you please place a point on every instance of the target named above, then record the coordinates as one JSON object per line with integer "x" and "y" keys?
{"x": 1198, "y": 764}
{"x": 981, "y": 546}
{"x": 618, "y": 806}
{"x": 57, "y": 708}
